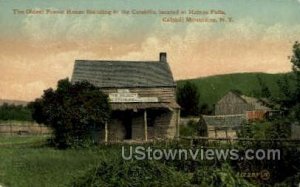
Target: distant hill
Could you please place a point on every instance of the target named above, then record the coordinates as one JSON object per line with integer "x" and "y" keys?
{"x": 212, "y": 88}
{"x": 15, "y": 102}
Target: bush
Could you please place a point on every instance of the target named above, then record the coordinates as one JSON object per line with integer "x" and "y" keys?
{"x": 73, "y": 111}
{"x": 133, "y": 173}
{"x": 190, "y": 129}
{"x": 202, "y": 127}
{"x": 279, "y": 129}
{"x": 222, "y": 177}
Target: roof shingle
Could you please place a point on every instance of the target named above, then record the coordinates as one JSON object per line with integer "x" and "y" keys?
{"x": 123, "y": 74}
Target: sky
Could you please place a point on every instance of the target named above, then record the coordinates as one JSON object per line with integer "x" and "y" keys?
{"x": 36, "y": 50}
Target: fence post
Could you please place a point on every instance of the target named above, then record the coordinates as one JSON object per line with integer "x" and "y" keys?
{"x": 216, "y": 134}
{"x": 10, "y": 126}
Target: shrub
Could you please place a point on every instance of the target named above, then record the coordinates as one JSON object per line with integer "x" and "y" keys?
{"x": 190, "y": 129}
{"x": 222, "y": 177}
{"x": 202, "y": 127}
{"x": 72, "y": 111}
{"x": 132, "y": 173}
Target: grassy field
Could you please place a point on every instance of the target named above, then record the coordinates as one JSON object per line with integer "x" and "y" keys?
{"x": 214, "y": 87}
{"x": 26, "y": 161}
{"x": 34, "y": 164}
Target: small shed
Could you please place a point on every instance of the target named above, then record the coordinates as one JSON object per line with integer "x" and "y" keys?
{"x": 142, "y": 96}
{"x": 234, "y": 103}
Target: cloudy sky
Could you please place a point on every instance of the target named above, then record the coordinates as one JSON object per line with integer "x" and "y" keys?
{"x": 38, "y": 50}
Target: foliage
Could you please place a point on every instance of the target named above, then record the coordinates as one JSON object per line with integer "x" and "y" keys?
{"x": 265, "y": 91}
{"x": 279, "y": 129}
{"x": 15, "y": 112}
{"x": 222, "y": 177}
{"x": 295, "y": 60}
{"x": 188, "y": 98}
{"x": 131, "y": 173}
{"x": 202, "y": 127}
{"x": 72, "y": 111}
{"x": 270, "y": 130}
{"x": 190, "y": 129}
{"x": 206, "y": 109}
{"x": 290, "y": 181}
{"x": 290, "y": 101}
{"x": 246, "y": 131}
{"x": 285, "y": 99}
{"x": 35, "y": 165}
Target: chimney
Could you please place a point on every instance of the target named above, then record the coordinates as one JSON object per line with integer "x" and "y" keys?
{"x": 163, "y": 57}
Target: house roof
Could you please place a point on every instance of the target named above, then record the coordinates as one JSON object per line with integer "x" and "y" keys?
{"x": 257, "y": 104}
{"x": 123, "y": 74}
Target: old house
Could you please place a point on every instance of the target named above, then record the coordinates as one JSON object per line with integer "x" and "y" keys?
{"x": 142, "y": 97}
{"x": 234, "y": 103}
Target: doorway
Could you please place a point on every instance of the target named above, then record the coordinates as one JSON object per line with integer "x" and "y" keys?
{"x": 127, "y": 123}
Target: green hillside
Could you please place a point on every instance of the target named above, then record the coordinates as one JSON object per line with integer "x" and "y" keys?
{"x": 214, "y": 87}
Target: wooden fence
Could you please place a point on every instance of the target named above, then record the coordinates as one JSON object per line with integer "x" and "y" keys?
{"x": 22, "y": 128}
{"x": 193, "y": 139}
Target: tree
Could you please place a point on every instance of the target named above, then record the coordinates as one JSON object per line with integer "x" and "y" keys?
{"x": 285, "y": 99}
{"x": 295, "y": 60}
{"x": 188, "y": 98}
{"x": 202, "y": 127}
{"x": 71, "y": 110}
{"x": 264, "y": 89}
{"x": 290, "y": 101}
{"x": 14, "y": 112}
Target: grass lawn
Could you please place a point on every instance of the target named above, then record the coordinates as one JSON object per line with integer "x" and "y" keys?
{"x": 34, "y": 164}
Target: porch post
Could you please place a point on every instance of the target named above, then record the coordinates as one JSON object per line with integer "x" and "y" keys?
{"x": 106, "y": 132}
{"x": 178, "y": 124}
{"x": 145, "y": 125}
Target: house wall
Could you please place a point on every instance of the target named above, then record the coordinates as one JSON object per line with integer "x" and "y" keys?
{"x": 295, "y": 131}
{"x": 231, "y": 104}
{"x": 164, "y": 123}
{"x": 164, "y": 127}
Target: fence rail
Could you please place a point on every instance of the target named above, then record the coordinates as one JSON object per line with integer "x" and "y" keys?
{"x": 16, "y": 127}
{"x": 238, "y": 139}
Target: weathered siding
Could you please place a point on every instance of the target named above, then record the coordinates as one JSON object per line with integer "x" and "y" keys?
{"x": 295, "y": 131}
{"x": 164, "y": 127}
{"x": 225, "y": 120}
{"x": 138, "y": 132}
{"x": 164, "y": 94}
{"x": 116, "y": 130}
{"x": 231, "y": 104}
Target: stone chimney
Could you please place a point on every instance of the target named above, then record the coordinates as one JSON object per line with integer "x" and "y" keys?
{"x": 163, "y": 57}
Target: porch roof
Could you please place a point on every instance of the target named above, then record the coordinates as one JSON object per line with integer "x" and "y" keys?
{"x": 139, "y": 106}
